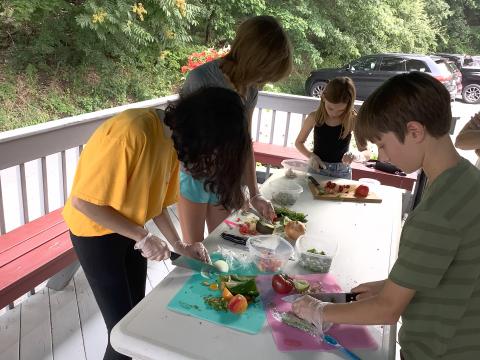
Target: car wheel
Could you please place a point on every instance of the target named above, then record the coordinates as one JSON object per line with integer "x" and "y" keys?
{"x": 471, "y": 94}
{"x": 317, "y": 88}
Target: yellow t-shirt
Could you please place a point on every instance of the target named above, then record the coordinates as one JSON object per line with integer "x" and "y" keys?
{"x": 129, "y": 164}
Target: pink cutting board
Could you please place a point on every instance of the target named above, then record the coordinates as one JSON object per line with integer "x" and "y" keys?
{"x": 288, "y": 338}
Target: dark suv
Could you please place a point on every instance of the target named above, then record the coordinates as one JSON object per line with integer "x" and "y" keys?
{"x": 470, "y": 77}
{"x": 369, "y": 72}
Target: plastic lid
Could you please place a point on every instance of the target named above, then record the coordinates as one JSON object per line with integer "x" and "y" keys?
{"x": 270, "y": 246}
{"x": 286, "y": 185}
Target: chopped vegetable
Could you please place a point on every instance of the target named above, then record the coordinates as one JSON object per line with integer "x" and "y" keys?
{"x": 284, "y": 198}
{"x": 301, "y": 285}
{"x": 315, "y": 251}
{"x": 293, "y": 215}
{"x": 216, "y": 303}
{"x": 226, "y": 294}
{"x": 264, "y": 228}
{"x": 213, "y": 286}
{"x": 291, "y": 319}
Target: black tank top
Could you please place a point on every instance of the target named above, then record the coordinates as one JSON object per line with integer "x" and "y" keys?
{"x": 328, "y": 144}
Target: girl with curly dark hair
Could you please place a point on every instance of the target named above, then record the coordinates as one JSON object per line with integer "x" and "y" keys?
{"x": 128, "y": 173}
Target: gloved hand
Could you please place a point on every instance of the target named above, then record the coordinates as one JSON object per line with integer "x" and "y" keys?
{"x": 311, "y": 310}
{"x": 352, "y": 156}
{"x": 316, "y": 163}
{"x": 196, "y": 250}
{"x": 153, "y": 248}
{"x": 263, "y": 206}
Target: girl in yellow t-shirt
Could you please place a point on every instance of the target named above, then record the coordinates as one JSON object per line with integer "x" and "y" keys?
{"x": 128, "y": 173}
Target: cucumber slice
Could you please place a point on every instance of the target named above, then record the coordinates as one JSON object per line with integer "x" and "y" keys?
{"x": 301, "y": 285}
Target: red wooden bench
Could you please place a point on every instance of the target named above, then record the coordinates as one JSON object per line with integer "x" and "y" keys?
{"x": 274, "y": 155}
{"x": 31, "y": 254}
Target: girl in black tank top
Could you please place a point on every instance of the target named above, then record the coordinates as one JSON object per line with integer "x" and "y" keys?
{"x": 332, "y": 124}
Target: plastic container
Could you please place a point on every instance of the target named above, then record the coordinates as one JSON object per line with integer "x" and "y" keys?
{"x": 270, "y": 253}
{"x": 285, "y": 192}
{"x": 316, "y": 252}
{"x": 295, "y": 167}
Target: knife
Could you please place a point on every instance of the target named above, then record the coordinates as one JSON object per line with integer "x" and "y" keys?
{"x": 191, "y": 263}
{"x": 327, "y": 297}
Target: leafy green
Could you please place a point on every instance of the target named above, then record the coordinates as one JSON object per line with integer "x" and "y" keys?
{"x": 248, "y": 287}
{"x": 290, "y": 214}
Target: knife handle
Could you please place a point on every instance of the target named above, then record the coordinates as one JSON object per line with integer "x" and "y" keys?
{"x": 314, "y": 182}
{"x": 174, "y": 255}
{"x": 350, "y": 297}
{"x": 242, "y": 240}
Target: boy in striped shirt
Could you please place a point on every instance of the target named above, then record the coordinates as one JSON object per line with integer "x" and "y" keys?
{"x": 435, "y": 282}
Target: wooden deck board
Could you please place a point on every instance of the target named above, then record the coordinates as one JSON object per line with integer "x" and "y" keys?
{"x": 67, "y": 324}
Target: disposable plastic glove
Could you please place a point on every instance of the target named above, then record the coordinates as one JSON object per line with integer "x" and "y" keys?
{"x": 263, "y": 206}
{"x": 153, "y": 248}
{"x": 196, "y": 250}
{"x": 311, "y": 310}
{"x": 352, "y": 156}
{"x": 316, "y": 163}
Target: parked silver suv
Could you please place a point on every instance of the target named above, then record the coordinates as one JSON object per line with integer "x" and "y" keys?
{"x": 370, "y": 71}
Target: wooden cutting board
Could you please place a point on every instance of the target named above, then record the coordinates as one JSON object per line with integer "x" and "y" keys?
{"x": 344, "y": 196}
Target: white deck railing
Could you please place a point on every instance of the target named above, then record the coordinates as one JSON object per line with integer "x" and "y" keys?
{"x": 37, "y": 163}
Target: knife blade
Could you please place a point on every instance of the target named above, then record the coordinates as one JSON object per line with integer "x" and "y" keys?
{"x": 191, "y": 263}
{"x": 327, "y": 297}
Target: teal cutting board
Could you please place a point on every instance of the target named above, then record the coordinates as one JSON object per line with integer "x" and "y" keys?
{"x": 189, "y": 301}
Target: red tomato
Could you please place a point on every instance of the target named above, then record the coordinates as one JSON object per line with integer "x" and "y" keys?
{"x": 238, "y": 304}
{"x": 362, "y": 191}
{"x": 282, "y": 284}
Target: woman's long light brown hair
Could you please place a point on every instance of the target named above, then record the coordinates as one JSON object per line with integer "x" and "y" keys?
{"x": 339, "y": 90}
{"x": 260, "y": 53}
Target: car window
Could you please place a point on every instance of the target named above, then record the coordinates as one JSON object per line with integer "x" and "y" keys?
{"x": 365, "y": 64}
{"x": 443, "y": 68}
{"x": 392, "y": 64}
{"x": 417, "y": 65}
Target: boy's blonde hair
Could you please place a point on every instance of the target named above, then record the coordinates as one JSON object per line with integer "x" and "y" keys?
{"x": 260, "y": 53}
{"x": 414, "y": 96}
{"x": 338, "y": 90}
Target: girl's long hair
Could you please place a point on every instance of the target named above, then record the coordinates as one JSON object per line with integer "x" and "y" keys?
{"x": 339, "y": 90}
{"x": 260, "y": 53}
{"x": 211, "y": 137}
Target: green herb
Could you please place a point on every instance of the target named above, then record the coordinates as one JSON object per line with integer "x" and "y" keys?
{"x": 315, "y": 251}
{"x": 216, "y": 303}
{"x": 293, "y": 215}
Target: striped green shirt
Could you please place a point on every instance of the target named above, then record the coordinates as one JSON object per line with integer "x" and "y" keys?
{"x": 439, "y": 257}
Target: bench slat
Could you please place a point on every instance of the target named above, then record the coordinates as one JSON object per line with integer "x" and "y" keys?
{"x": 29, "y": 230}
{"x": 19, "y": 250}
{"x": 21, "y": 275}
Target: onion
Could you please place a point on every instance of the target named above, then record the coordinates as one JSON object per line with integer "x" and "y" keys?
{"x": 221, "y": 265}
{"x": 294, "y": 229}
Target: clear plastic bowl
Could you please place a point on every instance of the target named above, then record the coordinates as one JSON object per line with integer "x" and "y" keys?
{"x": 285, "y": 192}
{"x": 270, "y": 253}
{"x": 295, "y": 167}
{"x": 316, "y": 262}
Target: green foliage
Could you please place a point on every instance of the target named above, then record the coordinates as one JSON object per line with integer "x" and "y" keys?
{"x": 60, "y": 58}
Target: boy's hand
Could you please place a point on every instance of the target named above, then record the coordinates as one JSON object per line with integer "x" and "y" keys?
{"x": 369, "y": 289}
{"x": 311, "y": 310}
{"x": 474, "y": 123}
{"x": 316, "y": 163}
